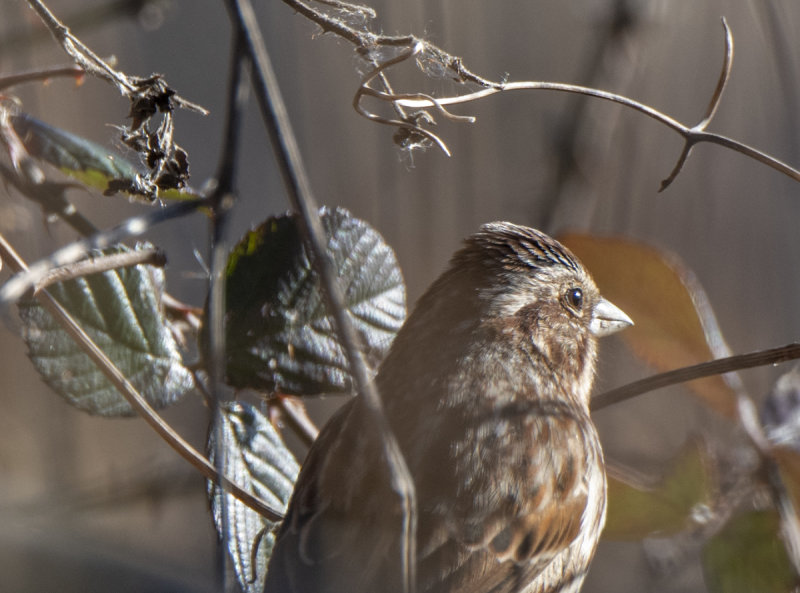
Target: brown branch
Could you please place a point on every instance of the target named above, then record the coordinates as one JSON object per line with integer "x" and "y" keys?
{"x": 16, "y": 286}
{"x": 713, "y": 105}
{"x": 95, "y": 265}
{"x": 128, "y": 391}
{"x": 40, "y": 75}
{"x": 367, "y": 43}
{"x": 297, "y": 416}
{"x": 298, "y": 186}
{"x": 698, "y": 371}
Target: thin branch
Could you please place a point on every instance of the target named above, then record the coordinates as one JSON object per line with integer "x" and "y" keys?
{"x": 83, "y": 56}
{"x": 298, "y": 187}
{"x": 698, "y": 371}
{"x": 295, "y": 412}
{"x": 94, "y": 64}
{"x": 713, "y": 105}
{"x": 222, "y": 199}
{"x": 128, "y": 391}
{"x": 724, "y": 77}
{"x": 95, "y": 265}
{"x": 368, "y": 42}
{"x": 695, "y": 136}
{"x": 40, "y": 75}
{"x": 25, "y": 280}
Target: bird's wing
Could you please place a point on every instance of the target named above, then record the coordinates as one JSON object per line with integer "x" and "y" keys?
{"x": 522, "y": 500}
{"x": 492, "y": 516}
{"x": 340, "y": 532}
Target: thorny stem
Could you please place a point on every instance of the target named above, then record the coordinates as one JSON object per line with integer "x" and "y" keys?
{"x": 299, "y": 189}
{"x": 128, "y": 391}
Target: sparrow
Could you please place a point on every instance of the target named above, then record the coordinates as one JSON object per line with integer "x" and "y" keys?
{"x": 486, "y": 387}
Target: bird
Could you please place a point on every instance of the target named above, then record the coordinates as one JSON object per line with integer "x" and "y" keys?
{"x": 486, "y": 388}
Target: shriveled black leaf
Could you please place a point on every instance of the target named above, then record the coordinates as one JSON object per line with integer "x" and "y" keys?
{"x": 255, "y": 458}
{"x": 121, "y": 311}
{"x": 96, "y": 166}
{"x": 279, "y": 335}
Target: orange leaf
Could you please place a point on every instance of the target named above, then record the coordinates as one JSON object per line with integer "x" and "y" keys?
{"x": 675, "y": 326}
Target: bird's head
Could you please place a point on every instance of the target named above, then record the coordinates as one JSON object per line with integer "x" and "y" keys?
{"x": 524, "y": 280}
{"x": 516, "y": 279}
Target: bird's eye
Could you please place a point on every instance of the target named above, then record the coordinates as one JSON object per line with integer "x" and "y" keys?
{"x": 575, "y": 298}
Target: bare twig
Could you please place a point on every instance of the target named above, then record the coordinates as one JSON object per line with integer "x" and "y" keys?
{"x": 25, "y": 280}
{"x": 689, "y": 134}
{"x": 698, "y": 371}
{"x": 82, "y": 55}
{"x": 222, "y": 199}
{"x": 405, "y": 122}
{"x": 295, "y": 412}
{"x": 10, "y": 80}
{"x": 95, "y": 265}
{"x": 367, "y": 43}
{"x": 724, "y": 76}
{"x": 93, "y": 64}
{"x": 128, "y": 391}
{"x": 299, "y": 189}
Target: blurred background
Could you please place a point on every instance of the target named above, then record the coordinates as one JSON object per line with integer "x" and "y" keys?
{"x": 89, "y": 504}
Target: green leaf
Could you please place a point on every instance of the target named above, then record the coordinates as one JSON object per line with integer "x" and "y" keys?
{"x": 90, "y": 163}
{"x": 279, "y": 335}
{"x": 255, "y": 458}
{"x": 748, "y": 555}
{"x": 87, "y": 161}
{"x": 121, "y": 311}
{"x": 675, "y": 325}
{"x": 636, "y": 511}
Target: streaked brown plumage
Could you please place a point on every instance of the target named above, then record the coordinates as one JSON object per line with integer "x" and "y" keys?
{"x": 486, "y": 388}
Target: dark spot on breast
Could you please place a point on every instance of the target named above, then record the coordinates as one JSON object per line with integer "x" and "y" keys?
{"x": 565, "y": 480}
{"x": 502, "y": 540}
{"x": 525, "y": 547}
{"x": 535, "y": 496}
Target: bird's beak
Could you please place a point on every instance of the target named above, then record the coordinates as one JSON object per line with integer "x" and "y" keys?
{"x": 607, "y": 319}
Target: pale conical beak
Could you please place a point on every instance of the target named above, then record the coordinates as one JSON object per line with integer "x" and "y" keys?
{"x": 607, "y": 319}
